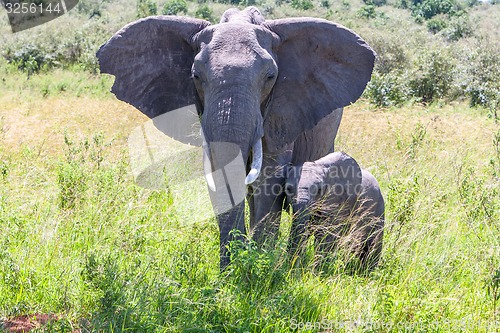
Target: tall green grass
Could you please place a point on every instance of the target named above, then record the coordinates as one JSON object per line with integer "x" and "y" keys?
{"x": 80, "y": 240}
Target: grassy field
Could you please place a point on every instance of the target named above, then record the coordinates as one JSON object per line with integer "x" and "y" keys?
{"x": 84, "y": 242}
{"x": 80, "y": 240}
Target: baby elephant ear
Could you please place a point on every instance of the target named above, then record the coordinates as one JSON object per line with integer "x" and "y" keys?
{"x": 151, "y": 59}
{"x": 322, "y": 66}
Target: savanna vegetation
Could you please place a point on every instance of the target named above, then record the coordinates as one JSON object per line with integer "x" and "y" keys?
{"x": 81, "y": 240}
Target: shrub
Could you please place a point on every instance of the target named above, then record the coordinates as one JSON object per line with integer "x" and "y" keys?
{"x": 30, "y": 58}
{"x": 436, "y": 24}
{"x": 433, "y": 76}
{"x": 367, "y": 11}
{"x": 174, "y": 7}
{"x": 459, "y": 27}
{"x": 146, "y": 8}
{"x": 205, "y": 12}
{"x": 377, "y": 3}
{"x": 302, "y": 4}
{"x": 430, "y": 8}
{"x": 90, "y": 8}
{"x": 391, "y": 54}
{"x": 386, "y": 90}
{"x": 482, "y": 77}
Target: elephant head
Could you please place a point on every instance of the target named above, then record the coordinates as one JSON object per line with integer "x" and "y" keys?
{"x": 249, "y": 78}
{"x": 317, "y": 188}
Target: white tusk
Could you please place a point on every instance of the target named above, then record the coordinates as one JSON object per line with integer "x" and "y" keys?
{"x": 207, "y": 166}
{"x": 256, "y": 163}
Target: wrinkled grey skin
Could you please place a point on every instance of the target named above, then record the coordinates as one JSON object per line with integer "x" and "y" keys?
{"x": 284, "y": 81}
{"x": 333, "y": 198}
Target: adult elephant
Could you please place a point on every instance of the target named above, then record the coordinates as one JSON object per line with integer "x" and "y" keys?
{"x": 268, "y": 93}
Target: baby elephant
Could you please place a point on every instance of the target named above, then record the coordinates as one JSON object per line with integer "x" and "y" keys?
{"x": 340, "y": 204}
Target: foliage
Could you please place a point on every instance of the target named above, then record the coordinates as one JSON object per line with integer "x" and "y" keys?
{"x": 433, "y": 76}
{"x": 367, "y": 11}
{"x": 325, "y": 3}
{"x": 436, "y": 24}
{"x": 29, "y": 59}
{"x": 377, "y": 3}
{"x": 459, "y": 26}
{"x": 386, "y": 90}
{"x": 47, "y": 52}
{"x": 481, "y": 79}
{"x": 430, "y": 8}
{"x": 174, "y": 7}
{"x": 146, "y": 8}
{"x": 302, "y": 4}
{"x": 205, "y": 12}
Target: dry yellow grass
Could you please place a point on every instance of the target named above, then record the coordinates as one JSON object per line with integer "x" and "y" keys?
{"x": 451, "y": 131}
{"x": 41, "y": 123}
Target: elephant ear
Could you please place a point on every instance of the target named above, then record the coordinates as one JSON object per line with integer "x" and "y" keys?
{"x": 342, "y": 170}
{"x": 322, "y": 66}
{"x": 151, "y": 59}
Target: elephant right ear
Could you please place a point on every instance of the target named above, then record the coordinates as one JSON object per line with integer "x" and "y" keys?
{"x": 151, "y": 59}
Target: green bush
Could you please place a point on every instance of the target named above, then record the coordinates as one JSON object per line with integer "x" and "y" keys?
{"x": 146, "y": 8}
{"x": 482, "y": 77}
{"x": 430, "y": 8}
{"x": 459, "y": 26}
{"x": 302, "y": 4}
{"x": 30, "y": 58}
{"x": 205, "y": 12}
{"x": 386, "y": 90}
{"x": 375, "y": 2}
{"x": 436, "y": 24}
{"x": 391, "y": 54}
{"x": 174, "y": 7}
{"x": 433, "y": 76}
{"x": 367, "y": 11}
{"x": 90, "y": 8}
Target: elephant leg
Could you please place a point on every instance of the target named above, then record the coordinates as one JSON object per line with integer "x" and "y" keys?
{"x": 326, "y": 241}
{"x": 372, "y": 248}
{"x": 267, "y": 208}
{"x": 267, "y": 197}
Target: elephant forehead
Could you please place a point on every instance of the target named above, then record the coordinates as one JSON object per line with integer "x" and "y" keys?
{"x": 237, "y": 38}
{"x": 310, "y": 175}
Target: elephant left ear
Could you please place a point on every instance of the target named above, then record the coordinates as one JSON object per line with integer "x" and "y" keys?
{"x": 151, "y": 59}
{"x": 322, "y": 66}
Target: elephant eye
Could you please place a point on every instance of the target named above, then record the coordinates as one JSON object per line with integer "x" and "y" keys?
{"x": 271, "y": 75}
{"x": 195, "y": 76}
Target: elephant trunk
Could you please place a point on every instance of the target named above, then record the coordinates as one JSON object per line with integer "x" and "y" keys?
{"x": 252, "y": 175}
{"x": 232, "y": 126}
